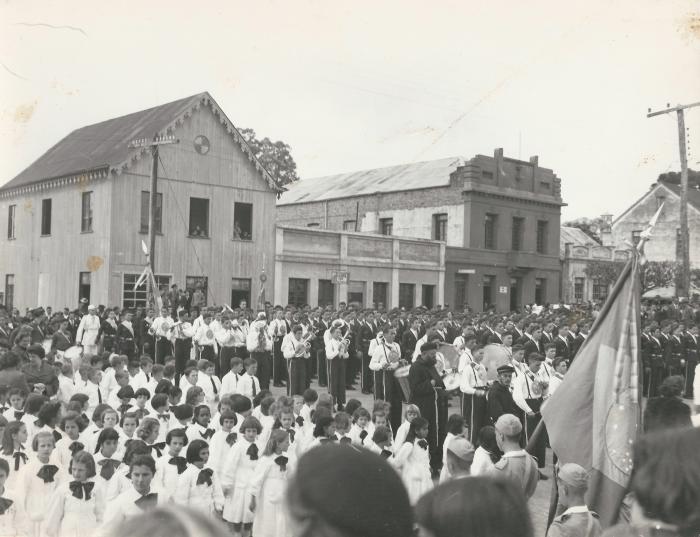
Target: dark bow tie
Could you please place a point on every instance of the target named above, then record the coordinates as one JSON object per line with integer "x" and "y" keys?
{"x": 386, "y": 454}
{"x": 164, "y": 417}
{"x": 81, "y": 490}
{"x": 19, "y": 456}
{"x": 75, "y": 447}
{"x": 300, "y": 421}
{"x": 180, "y": 462}
{"x": 18, "y": 415}
{"x": 124, "y": 407}
{"x": 231, "y": 438}
{"x": 5, "y": 504}
{"x": 47, "y": 472}
{"x": 147, "y": 501}
{"x": 345, "y": 440}
{"x": 282, "y": 461}
{"x": 363, "y": 435}
{"x": 108, "y": 466}
{"x": 207, "y": 433}
{"x": 158, "y": 448}
{"x": 326, "y": 440}
{"x": 423, "y": 444}
{"x": 204, "y": 477}
{"x": 56, "y": 435}
{"x": 291, "y": 433}
{"x": 252, "y": 452}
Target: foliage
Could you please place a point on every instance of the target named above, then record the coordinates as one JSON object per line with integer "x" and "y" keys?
{"x": 276, "y": 157}
{"x": 674, "y": 178}
{"x": 590, "y": 226}
{"x": 660, "y": 274}
{"x": 606, "y": 272}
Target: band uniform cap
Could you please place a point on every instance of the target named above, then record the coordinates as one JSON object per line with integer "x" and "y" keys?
{"x": 574, "y": 475}
{"x": 92, "y": 307}
{"x": 461, "y": 448}
{"x": 508, "y": 425}
{"x": 431, "y": 346}
{"x": 83, "y": 300}
{"x": 505, "y": 368}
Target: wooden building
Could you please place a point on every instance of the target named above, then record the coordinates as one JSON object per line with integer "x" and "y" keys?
{"x": 76, "y": 216}
{"x": 321, "y": 268}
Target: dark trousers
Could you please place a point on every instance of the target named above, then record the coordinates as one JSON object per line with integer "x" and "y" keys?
{"x": 279, "y": 368}
{"x": 183, "y": 347}
{"x": 690, "y": 365}
{"x": 366, "y": 376}
{"x": 225, "y": 355}
{"x": 658, "y": 373}
{"x": 322, "y": 367}
{"x": 264, "y": 360}
{"x": 475, "y": 414}
{"x": 539, "y": 449}
{"x": 386, "y": 388}
{"x": 296, "y": 373}
{"x": 437, "y": 432}
{"x": 163, "y": 348}
{"x": 336, "y": 379}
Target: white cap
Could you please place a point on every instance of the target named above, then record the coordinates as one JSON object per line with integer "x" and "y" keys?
{"x": 92, "y": 307}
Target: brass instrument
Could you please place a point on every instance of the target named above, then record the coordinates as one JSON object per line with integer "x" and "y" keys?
{"x": 262, "y": 340}
{"x": 151, "y": 331}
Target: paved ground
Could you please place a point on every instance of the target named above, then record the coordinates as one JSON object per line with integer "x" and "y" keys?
{"x": 539, "y": 503}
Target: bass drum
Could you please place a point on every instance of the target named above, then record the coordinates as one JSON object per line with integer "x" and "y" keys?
{"x": 495, "y": 356}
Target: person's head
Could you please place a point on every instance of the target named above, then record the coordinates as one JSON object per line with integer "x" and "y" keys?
{"x": 107, "y": 442}
{"x": 71, "y": 424}
{"x": 323, "y": 426}
{"x": 43, "y": 444}
{"x": 4, "y": 473}
{"x": 572, "y": 483}
{"x": 508, "y": 429}
{"x": 672, "y": 386}
{"x": 561, "y": 365}
{"x": 82, "y": 466}
{"x": 550, "y": 351}
{"x": 14, "y": 433}
{"x": 251, "y": 428}
{"x": 142, "y": 395}
{"x": 534, "y": 361}
{"x": 476, "y": 506}
{"x": 341, "y": 422}
{"x": 251, "y": 366}
{"x": 277, "y": 443}
{"x": 198, "y": 453}
{"x": 505, "y": 374}
{"x": 159, "y": 403}
{"x": 110, "y": 418}
{"x": 372, "y": 501}
{"x": 202, "y": 415}
{"x": 418, "y": 429}
{"x": 148, "y": 430}
{"x": 176, "y": 439}
{"x": 195, "y": 396}
{"x": 240, "y": 404}
{"x": 49, "y": 414}
{"x": 666, "y": 479}
{"x": 36, "y": 354}
{"x": 310, "y": 397}
{"x": 487, "y": 439}
{"x": 412, "y": 412}
{"x": 351, "y": 406}
{"x": 130, "y": 421}
{"x": 142, "y": 469}
{"x": 460, "y": 455}
{"x": 455, "y": 424}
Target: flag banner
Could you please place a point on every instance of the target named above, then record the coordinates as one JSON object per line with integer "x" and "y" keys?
{"x": 594, "y": 417}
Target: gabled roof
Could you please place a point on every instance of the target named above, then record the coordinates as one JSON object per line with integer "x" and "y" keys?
{"x": 576, "y": 236}
{"x": 102, "y": 148}
{"x": 417, "y": 175}
{"x": 693, "y": 197}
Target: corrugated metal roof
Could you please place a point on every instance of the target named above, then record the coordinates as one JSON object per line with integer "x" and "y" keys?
{"x": 431, "y": 173}
{"x": 574, "y": 236}
{"x": 101, "y": 145}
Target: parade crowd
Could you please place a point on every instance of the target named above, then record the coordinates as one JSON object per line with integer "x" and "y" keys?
{"x": 111, "y": 416}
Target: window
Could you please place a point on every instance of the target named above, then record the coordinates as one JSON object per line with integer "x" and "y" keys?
{"x": 198, "y": 288}
{"x": 46, "y": 217}
{"x": 386, "y": 226}
{"x": 356, "y": 293}
{"x": 137, "y": 297}
{"x": 515, "y": 287}
{"x": 243, "y": 221}
{"x": 545, "y": 185}
{"x": 540, "y": 291}
{"x": 489, "y": 284}
{"x": 326, "y": 293}
{"x": 440, "y": 227}
{"x": 199, "y": 217}
{"x": 11, "y": 213}
{"x": 240, "y": 291}
{"x": 298, "y": 292}
{"x": 84, "y": 286}
{"x": 86, "y": 213}
{"x": 542, "y": 233}
{"x": 428, "y": 296}
{"x": 636, "y": 237}
{"x": 518, "y": 226}
{"x": 146, "y": 210}
{"x": 679, "y": 244}
{"x": 486, "y": 174}
{"x": 461, "y": 290}
{"x": 9, "y": 291}
{"x": 600, "y": 290}
{"x": 407, "y": 295}
{"x": 490, "y": 231}
{"x": 313, "y": 224}
{"x": 660, "y": 199}
{"x": 349, "y": 225}
{"x": 379, "y": 292}
{"x": 579, "y": 284}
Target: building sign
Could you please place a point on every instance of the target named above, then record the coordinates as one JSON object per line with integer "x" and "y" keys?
{"x": 341, "y": 276}
{"x": 503, "y": 290}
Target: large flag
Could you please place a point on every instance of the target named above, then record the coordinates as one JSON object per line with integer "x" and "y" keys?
{"x": 594, "y": 416}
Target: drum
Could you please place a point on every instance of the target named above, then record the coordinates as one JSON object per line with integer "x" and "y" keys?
{"x": 495, "y": 355}
{"x": 450, "y": 355}
{"x": 75, "y": 355}
{"x": 452, "y": 381}
{"x": 401, "y": 375}
{"x": 47, "y": 345}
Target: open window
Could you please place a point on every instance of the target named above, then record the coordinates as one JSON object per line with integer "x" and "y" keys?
{"x": 243, "y": 221}
{"x": 199, "y": 217}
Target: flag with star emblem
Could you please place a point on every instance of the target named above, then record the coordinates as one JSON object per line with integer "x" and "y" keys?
{"x": 594, "y": 417}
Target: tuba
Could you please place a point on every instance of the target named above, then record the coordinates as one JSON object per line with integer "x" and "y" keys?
{"x": 261, "y": 338}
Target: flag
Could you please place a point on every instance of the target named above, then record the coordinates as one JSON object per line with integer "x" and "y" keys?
{"x": 594, "y": 417}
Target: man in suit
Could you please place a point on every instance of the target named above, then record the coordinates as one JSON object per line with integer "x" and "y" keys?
{"x": 367, "y": 333}
{"x": 548, "y": 334}
{"x": 409, "y": 339}
{"x": 692, "y": 348}
{"x": 126, "y": 342}
{"x": 497, "y": 335}
{"x": 677, "y": 356}
{"x": 563, "y": 344}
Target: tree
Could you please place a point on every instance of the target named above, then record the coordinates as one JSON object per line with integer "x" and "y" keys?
{"x": 590, "y": 226}
{"x": 606, "y": 272}
{"x": 276, "y": 157}
{"x": 674, "y": 178}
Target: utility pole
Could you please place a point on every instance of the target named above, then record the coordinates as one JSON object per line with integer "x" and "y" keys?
{"x": 153, "y": 145}
{"x": 683, "y": 288}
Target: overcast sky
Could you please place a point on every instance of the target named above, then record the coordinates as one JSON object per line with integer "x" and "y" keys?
{"x": 358, "y": 85}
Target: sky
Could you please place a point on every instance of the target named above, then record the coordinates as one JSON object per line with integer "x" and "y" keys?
{"x": 363, "y": 84}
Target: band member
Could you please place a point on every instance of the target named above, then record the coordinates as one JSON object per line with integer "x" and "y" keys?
{"x": 319, "y": 349}
{"x": 473, "y": 388}
{"x": 109, "y": 331}
{"x": 409, "y": 339}
{"x": 62, "y": 339}
{"x": 675, "y": 363}
{"x": 656, "y": 362}
{"x": 277, "y": 330}
{"x": 88, "y": 332}
{"x": 145, "y": 339}
{"x": 528, "y": 393}
{"x": 227, "y": 338}
{"x": 337, "y": 355}
{"x": 692, "y": 344}
{"x": 296, "y": 352}
{"x": 159, "y": 329}
{"x": 386, "y": 359}
{"x": 500, "y": 400}
{"x": 367, "y": 334}
{"x": 125, "y": 336}
{"x": 181, "y": 336}
{"x": 206, "y": 342}
{"x": 259, "y": 345}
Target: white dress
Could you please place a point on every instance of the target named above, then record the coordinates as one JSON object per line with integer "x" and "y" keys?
{"x": 444, "y": 473}
{"x": 401, "y": 434}
{"x": 239, "y": 471}
{"x": 13, "y": 522}
{"x": 269, "y": 487}
{"x": 218, "y": 451}
{"x": 204, "y": 498}
{"x": 12, "y": 482}
{"x": 482, "y": 463}
{"x": 68, "y": 516}
{"x": 413, "y": 462}
{"x": 35, "y": 493}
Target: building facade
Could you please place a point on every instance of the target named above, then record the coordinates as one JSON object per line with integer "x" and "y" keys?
{"x": 77, "y": 216}
{"x": 321, "y": 268}
{"x": 498, "y": 217}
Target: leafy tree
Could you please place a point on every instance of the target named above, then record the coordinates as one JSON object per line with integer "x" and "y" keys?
{"x": 606, "y": 272}
{"x": 276, "y": 157}
{"x": 674, "y": 178}
{"x": 590, "y": 226}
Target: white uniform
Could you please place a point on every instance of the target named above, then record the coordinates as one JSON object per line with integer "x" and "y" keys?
{"x": 205, "y": 498}
{"x": 269, "y": 487}
{"x": 87, "y": 332}
{"x": 413, "y": 462}
{"x": 68, "y": 516}
{"x": 237, "y": 480}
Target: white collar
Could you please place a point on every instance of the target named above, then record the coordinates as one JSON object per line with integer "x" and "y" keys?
{"x": 511, "y": 454}
{"x": 576, "y": 509}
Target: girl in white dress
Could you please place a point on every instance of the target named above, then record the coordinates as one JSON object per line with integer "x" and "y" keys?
{"x": 238, "y": 474}
{"x": 77, "y": 507}
{"x": 199, "y": 486}
{"x": 413, "y": 461}
{"x": 13, "y": 441}
{"x": 269, "y": 487}
{"x": 108, "y": 463}
{"x": 487, "y": 454}
{"x": 455, "y": 427}
{"x": 13, "y": 520}
{"x": 222, "y": 441}
{"x": 412, "y": 412}
{"x": 70, "y": 443}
